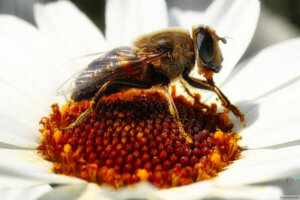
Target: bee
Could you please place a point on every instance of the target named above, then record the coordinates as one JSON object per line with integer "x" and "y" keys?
{"x": 155, "y": 59}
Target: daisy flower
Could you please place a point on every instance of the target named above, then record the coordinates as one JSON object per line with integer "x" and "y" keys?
{"x": 35, "y": 61}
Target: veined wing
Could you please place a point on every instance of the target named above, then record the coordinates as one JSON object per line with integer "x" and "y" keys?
{"x": 123, "y": 61}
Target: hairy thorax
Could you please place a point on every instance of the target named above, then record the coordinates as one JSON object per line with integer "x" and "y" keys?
{"x": 175, "y": 44}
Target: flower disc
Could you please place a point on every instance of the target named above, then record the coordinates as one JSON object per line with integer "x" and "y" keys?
{"x": 134, "y": 138}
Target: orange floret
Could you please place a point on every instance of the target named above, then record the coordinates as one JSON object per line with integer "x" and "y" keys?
{"x": 134, "y": 138}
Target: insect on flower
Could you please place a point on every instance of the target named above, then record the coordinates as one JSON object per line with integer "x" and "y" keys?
{"x": 154, "y": 60}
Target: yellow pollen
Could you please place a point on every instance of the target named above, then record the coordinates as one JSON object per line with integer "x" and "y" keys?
{"x": 142, "y": 174}
{"x": 67, "y": 148}
{"x": 216, "y": 158}
{"x": 57, "y": 136}
{"x": 218, "y": 134}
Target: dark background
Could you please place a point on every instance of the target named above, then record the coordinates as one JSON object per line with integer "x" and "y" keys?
{"x": 279, "y": 19}
{"x": 95, "y": 9}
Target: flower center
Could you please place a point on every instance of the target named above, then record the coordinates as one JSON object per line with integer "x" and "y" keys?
{"x": 134, "y": 138}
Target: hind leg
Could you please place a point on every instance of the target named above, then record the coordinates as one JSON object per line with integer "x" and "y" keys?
{"x": 108, "y": 88}
{"x": 91, "y": 107}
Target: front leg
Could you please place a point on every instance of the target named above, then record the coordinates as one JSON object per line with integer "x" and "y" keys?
{"x": 197, "y": 83}
{"x": 174, "y": 112}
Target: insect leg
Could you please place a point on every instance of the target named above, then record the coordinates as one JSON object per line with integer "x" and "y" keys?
{"x": 91, "y": 107}
{"x": 187, "y": 90}
{"x": 197, "y": 83}
{"x": 174, "y": 112}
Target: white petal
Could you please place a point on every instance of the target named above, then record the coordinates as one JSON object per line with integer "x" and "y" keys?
{"x": 68, "y": 192}
{"x": 270, "y": 68}
{"x": 25, "y": 160}
{"x": 21, "y": 109}
{"x": 67, "y": 27}
{"x": 27, "y": 61}
{"x": 20, "y": 114}
{"x": 206, "y": 190}
{"x": 8, "y": 135}
{"x": 185, "y": 19}
{"x": 8, "y": 181}
{"x": 272, "y": 120}
{"x": 27, "y": 164}
{"x": 138, "y": 191}
{"x": 126, "y": 20}
{"x": 265, "y": 90}
{"x": 30, "y": 40}
{"x": 262, "y": 165}
{"x": 24, "y": 193}
{"x": 289, "y": 185}
{"x": 28, "y": 78}
{"x": 193, "y": 191}
{"x": 246, "y": 192}
{"x": 25, "y": 100}
{"x": 235, "y": 20}
{"x": 147, "y": 191}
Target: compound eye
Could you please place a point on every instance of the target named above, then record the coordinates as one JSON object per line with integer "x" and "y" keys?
{"x": 205, "y": 45}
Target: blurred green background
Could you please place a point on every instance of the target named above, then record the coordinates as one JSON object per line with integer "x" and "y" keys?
{"x": 289, "y": 9}
{"x": 94, "y": 9}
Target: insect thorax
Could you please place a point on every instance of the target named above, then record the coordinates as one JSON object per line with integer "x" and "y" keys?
{"x": 176, "y": 44}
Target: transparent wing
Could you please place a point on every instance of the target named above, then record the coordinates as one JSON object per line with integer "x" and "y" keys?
{"x": 109, "y": 66}
{"x": 68, "y": 86}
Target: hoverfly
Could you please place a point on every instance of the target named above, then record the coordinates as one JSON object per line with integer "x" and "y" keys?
{"x": 153, "y": 60}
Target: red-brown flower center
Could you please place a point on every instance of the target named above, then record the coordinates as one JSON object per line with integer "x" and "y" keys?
{"x": 134, "y": 138}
